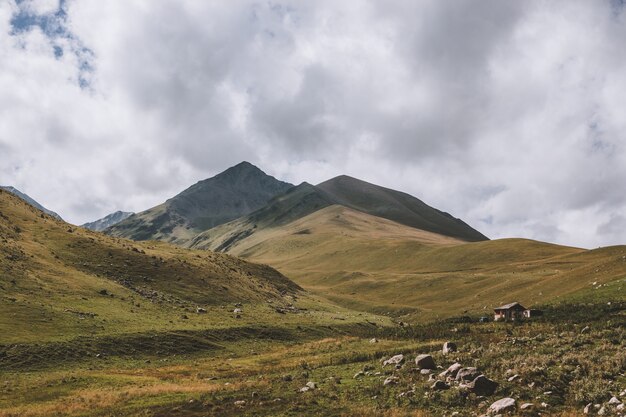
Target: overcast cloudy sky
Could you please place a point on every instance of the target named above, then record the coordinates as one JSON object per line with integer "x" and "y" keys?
{"x": 508, "y": 114}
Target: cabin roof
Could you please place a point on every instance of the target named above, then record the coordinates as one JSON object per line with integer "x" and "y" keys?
{"x": 510, "y": 306}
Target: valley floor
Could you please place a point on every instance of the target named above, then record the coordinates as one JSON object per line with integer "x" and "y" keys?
{"x": 573, "y": 356}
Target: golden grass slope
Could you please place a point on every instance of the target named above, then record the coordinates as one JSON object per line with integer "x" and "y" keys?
{"x": 58, "y": 282}
{"x": 366, "y": 262}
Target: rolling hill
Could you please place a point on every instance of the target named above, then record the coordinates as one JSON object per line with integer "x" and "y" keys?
{"x": 235, "y": 192}
{"x": 373, "y": 264}
{"x": 58, "y": 281}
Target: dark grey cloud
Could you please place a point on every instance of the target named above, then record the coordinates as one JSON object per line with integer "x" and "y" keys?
{"x": 507, "y": 114}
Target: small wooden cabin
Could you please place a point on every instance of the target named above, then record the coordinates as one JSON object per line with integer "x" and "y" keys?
{"x": 512, "y": 311}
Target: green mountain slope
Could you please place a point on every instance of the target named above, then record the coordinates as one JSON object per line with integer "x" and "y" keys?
{"x": 396, "y": 206}
{"x": 58, "y": 281}
{"x": 342, "y": 191}
{"x": 235, "y": 192}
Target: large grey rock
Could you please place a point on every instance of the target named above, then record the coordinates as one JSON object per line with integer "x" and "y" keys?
{"x": 504, "y": 405}
{"x": 425, "y": 362}
{"x": 482, "y": 385}
{"x": 467, "y": 374}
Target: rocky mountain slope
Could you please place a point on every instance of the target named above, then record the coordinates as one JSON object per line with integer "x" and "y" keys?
{"x": 235, "y": 192}
{"x": 29, "y": 200}
{"x": 107, "y": 221}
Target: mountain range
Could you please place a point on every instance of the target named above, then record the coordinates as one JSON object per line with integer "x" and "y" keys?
{"x": 107, "y": 221}
{"x": 235, "y": 192}
{"x": 243, "y": 200}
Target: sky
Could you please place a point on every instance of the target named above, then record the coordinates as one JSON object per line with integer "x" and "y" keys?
{"x": 509, "y": 115}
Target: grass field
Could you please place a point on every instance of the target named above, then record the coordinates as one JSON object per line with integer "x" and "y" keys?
{"x": 97, "y": 326}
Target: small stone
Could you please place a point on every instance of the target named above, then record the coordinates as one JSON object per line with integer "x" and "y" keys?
{"x": 394, "y": 360}
{"x": 359, "y": 374}
{"x": 240, "y": 403}
{"x": 585, "y": 329}
{"x": 449, "y": 347}
{"x": 440, "y": 386}
{"x": 503, "y": 405}
{"x": 392, "y": 380}
{"x": 467, "y": 374}
{"x": 614, "y": 401}
{"x": 451, "y": 371}
{"x": 588, "y": 408}
{"x": 311, "y": 385}
{"x": 527, "y": 406}
{"x": 513, "y": 378}
{"x": 425, "y": 371}
{"x": 374, "y": 340}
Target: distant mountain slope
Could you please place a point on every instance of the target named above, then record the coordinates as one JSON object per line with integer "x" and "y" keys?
{"x": 107, "y": 221}
{"x": 30, "y": 200}
{"x": 396, "y": 206}
{"x": 235, "y": 192}
{"x": 344, "y": 191}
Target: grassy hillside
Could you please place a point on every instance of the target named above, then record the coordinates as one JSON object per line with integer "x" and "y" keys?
{"x": 233, "y": 193}
{"x": 59, "y": 282}
{"x": 373, "y": 264}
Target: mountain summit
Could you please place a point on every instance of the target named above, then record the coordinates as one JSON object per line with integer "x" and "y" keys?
{"x": 233, "y": 193}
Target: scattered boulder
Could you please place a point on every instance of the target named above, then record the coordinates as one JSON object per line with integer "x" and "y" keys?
{"x": 482, "y": 385}
{"x": 527, "y": 406}
{"x": 451, "y": 371}
{"x": 310, "y": 386}
{"x": 394, "y": 360}
{"x": 425, "y": 371}
{"x": 588, "y": 408}
{"x": 237, "y": 311}
{"x": 467, "y": 374}
{"x": 359, "y": 374}
{"x": 449, "y": 347}
{"x": 504, "y": 405}
{"x": 240, "y": 403}
{"x": 374, "y": 340}
{"x": 440, "y": 386}
{"x": 425, "y": 362}
{"x": 392, "y": 380}
{"x": 614, "y": 401}
{"x": 200, "y": 310}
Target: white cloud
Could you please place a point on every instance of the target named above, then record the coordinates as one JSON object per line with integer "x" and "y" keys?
{"x": 509, "y": 115}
